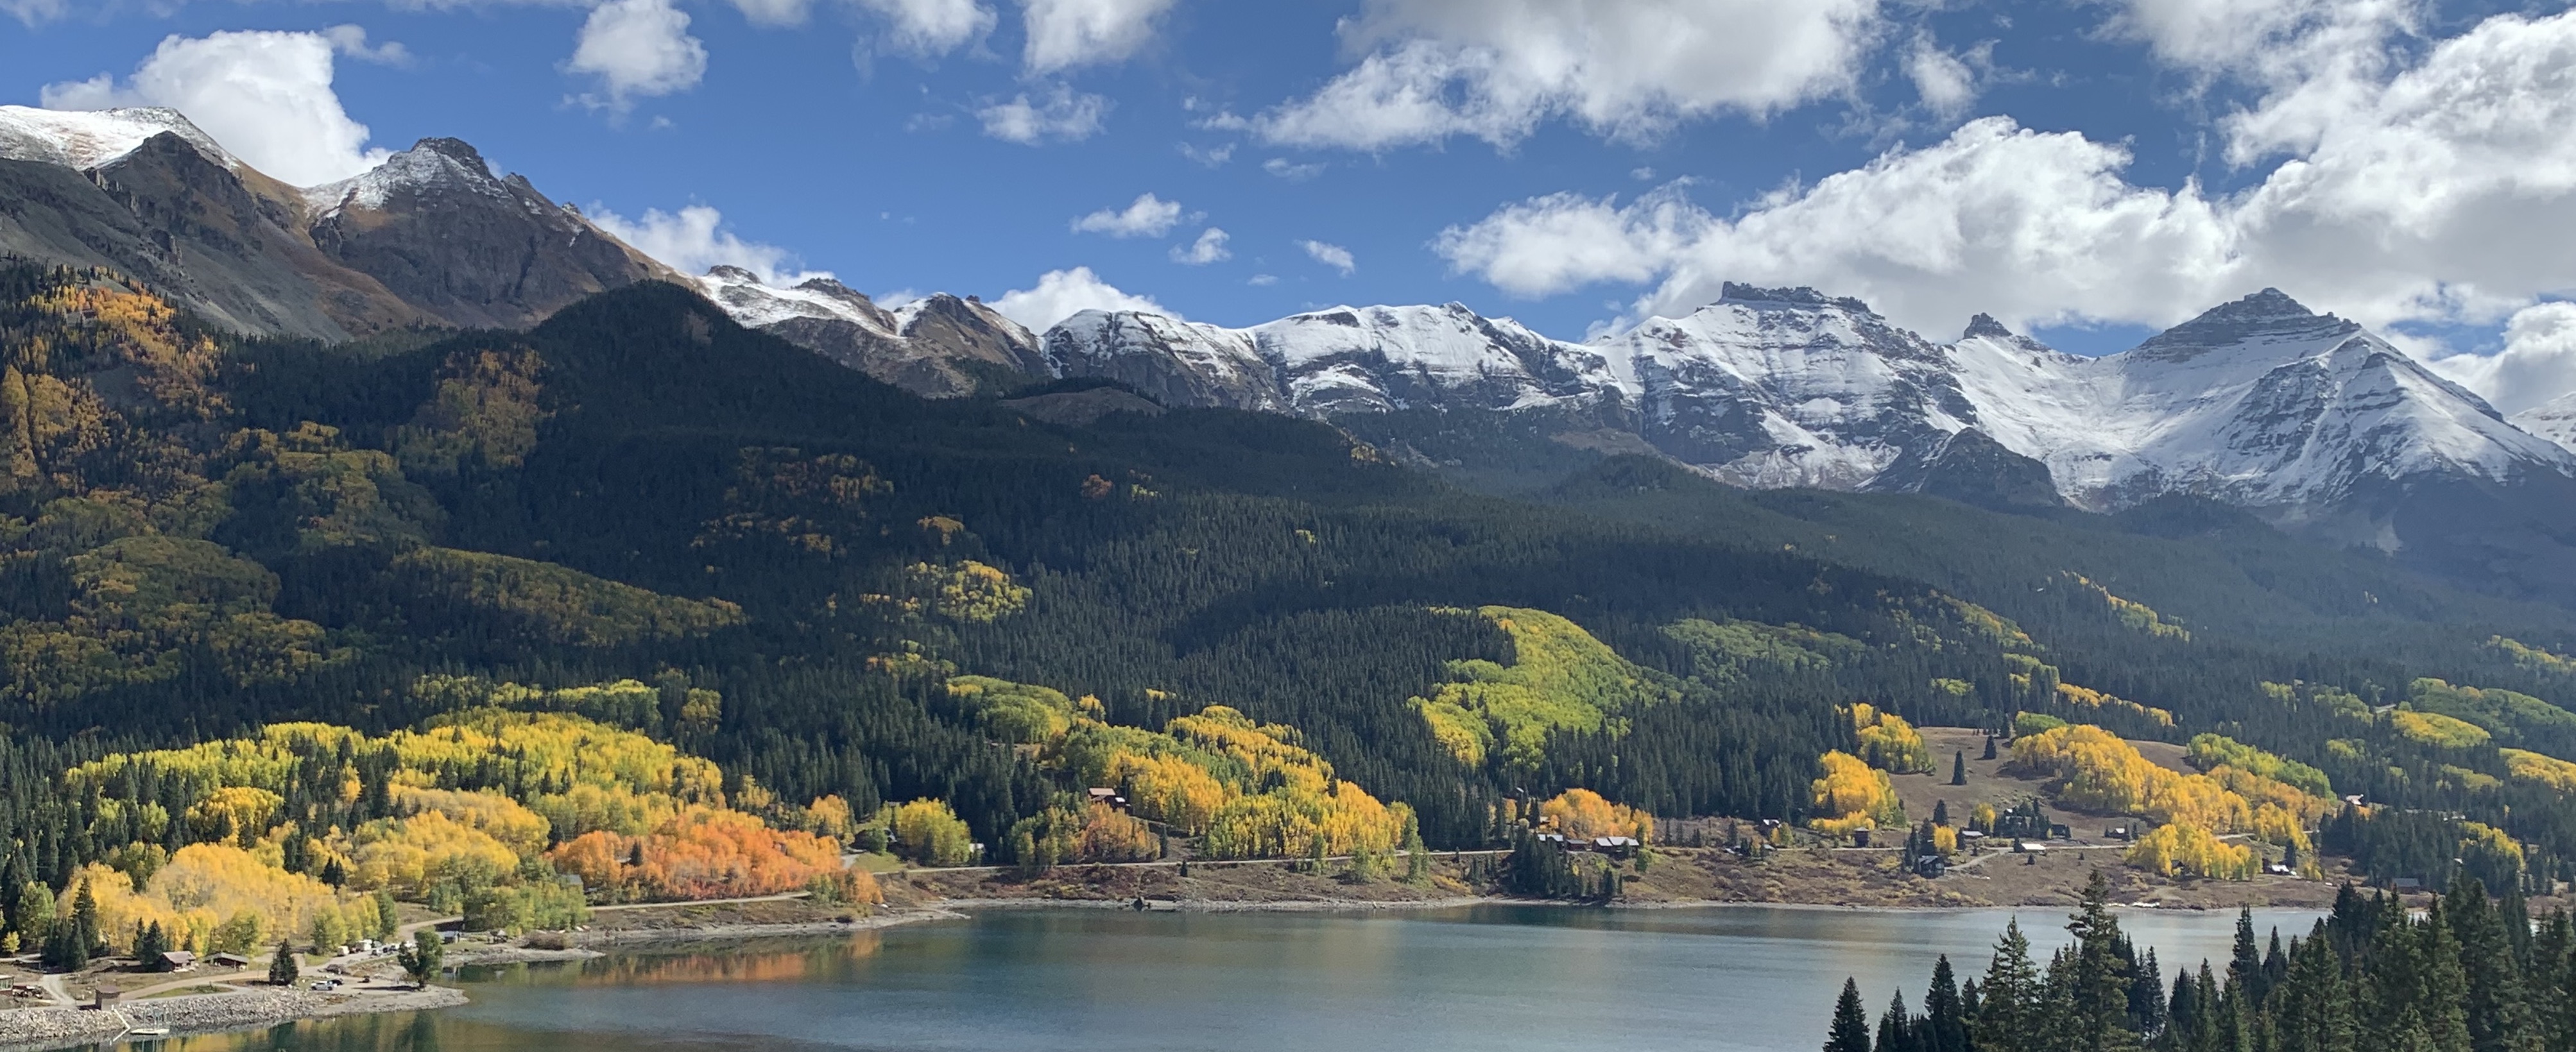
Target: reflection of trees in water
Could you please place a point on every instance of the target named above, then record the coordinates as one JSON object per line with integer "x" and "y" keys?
{"x": 735, "y": 964}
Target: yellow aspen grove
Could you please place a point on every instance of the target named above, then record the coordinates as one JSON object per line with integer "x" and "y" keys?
{"x": 1584, "y": 814}
{"x": 2183, "y": 848}
{"x": 1889, "y": 743}
{"x": 1853, "y": 796}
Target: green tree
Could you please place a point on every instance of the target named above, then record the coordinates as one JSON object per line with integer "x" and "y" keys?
{"x": 2098, "y": 984}
{"x": 2008, "y": 999}
{"x": 1959, "y": 767}
{"x": 423, "y": 957}
{"x": 388, "y": 916}
{"x": 1945, "y": 1022}
{"x": 2496, "y": 1013}
{"x": 282, "y": 968}
{"x": 150, "y": 942}
{"x": 1895, "y": 1027}
{"x": 1850, "y": 1029}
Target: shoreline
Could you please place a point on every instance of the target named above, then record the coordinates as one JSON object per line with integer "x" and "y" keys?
{"x": 63, "y": 1026}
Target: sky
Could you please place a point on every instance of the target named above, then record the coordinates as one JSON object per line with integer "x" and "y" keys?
{"x": 2087, "y": 170}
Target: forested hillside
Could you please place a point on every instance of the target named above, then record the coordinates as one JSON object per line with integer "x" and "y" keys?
{"x": 643, "y": 517}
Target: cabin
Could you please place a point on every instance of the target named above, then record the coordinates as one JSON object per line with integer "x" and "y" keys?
{"x": 178, "y": 961}
{"x": 1557, "y": 839}
{"x": 2030, "y": 847}
{"x": 1109, "y": 797}
{"x": 2121, "y": 833}
{"x": 104, "y": 996}
{"x": 2407, "y": 884}
{"x": 1616, "y": 846}
{"x": 229, "y": 960}
{"x": 1860, "y": 838}
{"x": 1933, "y": 866}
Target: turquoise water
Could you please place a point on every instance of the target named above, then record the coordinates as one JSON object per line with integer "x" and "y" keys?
{"x": 1488, "y": 978}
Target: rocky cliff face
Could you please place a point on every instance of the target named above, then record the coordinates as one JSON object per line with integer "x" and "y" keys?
{"x": 430, "y": 238}
{"x": 474, "y": 249}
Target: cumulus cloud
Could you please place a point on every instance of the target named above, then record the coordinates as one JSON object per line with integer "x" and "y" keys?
{"x": 1068, "y": 33}
{"x": 1147, "y": 216}
{"x": 1946, "y": 85}
{"x": 35, "y": 12}
{"x": 933, "y": 27}
{"x": 1061, "y": 294}
{"x": 1209, "y": 248}
{"x": 1061, "y": 114}
{"x": 1495, "y": 69}
{"x": 2538, "y": 362}
{"x": 695, "y": 238}
{"x": 1334, "y": 256}
{"x": 638, "y": 49}
{"x": 266, "y": 96}
{"x": 2444, "y": 191}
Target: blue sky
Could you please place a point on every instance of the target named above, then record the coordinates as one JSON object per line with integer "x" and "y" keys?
{"x": 2089, "y": 169}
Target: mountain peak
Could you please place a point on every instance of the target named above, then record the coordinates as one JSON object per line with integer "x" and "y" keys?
{"x": 2263, "y": 317}
{"x": 1800, "y": 296}
{"x": 1986, "y": 325}
{"x": 456, "y": 149}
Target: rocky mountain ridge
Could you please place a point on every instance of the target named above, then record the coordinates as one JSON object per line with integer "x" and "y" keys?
{"x": 431, "y": 237}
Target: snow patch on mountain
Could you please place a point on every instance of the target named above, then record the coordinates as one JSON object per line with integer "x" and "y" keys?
{"x": 85, "y": 139}
{"x": 2554, "y": 420}
{"x": 430, "y": 165}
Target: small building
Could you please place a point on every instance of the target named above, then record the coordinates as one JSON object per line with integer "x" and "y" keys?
{"x": 229, "y": 960}
{"x": 1860, "y": 838}
{"x": 2121, "y": 833}
{"x": 1616, "y": 846}
{"x": 179, "y": 961}
{"x": 1109, "y": 797}
{"x": 2407, "y": 884}
{"x": 2060, "y": 831}
{"x": 104, "y": 996}
{"x": 1557, "y": 839}
{"x": 1971, "y": 835}
{"x": 2030, "y": 847}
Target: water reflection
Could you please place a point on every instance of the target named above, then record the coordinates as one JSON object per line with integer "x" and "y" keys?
{"x": 1491, "y": 978}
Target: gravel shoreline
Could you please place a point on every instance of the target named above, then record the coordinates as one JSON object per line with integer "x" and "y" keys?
{"x": 30, "y": 1029}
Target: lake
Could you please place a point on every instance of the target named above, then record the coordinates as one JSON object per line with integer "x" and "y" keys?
{"x": 1485, "y": 978}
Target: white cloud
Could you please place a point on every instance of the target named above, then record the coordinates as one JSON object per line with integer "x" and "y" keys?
{"x": 638, "y": 49}
{"x": 1946, "y": 85}
{"x": 774, "y": 12}
{"x": 933, "y": 27}
{"x": 34, "y": 12}
{"x": 2538, "y": 362}
{"x": 1062, "y": 294}
{"x": 1261, "y": 281}
{"x": 1068, "y": 33}
{"x": 1212, "y": 156}
{"x": 695, "y": 239}
{"x": 1290, "y": 170}
{"x": 2259, "y": 38}
{"x": 1209, "y": 248}
{"x": 1061, "y": 114}
{"x": 1147, "y": 216}
{"x": 2443, "y": 192}
{"x": 352, "y": 41}
{"x": 265, "y": 96}
{"x": 1334, "y": 256}
{"x": 1495, "y": 69}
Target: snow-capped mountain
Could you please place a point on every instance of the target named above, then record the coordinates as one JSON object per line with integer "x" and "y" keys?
{"x": 2554, "y": 420}
{"x": 1327, "y": 363}
{"x": 938, "y": 346}
{"x": 2306, "y": 419}
{"x": 430, "y": 237}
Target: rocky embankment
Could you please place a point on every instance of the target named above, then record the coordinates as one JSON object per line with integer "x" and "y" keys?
{"x": 60, "y": 1027}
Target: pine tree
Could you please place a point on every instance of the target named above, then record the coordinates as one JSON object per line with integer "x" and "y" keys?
{"x": 1940, "y": 812}
{"x": 1895, "y": 1027}
{"x": 1990, "y": 747}
{"x": 2495, "y": 1009}
{"x": 1945, "y": 1022}
{"x": 2098, "y": 974}
{"x": 2008, "y": 999}
{"x": 150, "y": 942}
{"x": 1850, "y": 1029}
{"x": 1959, "y": 765}
{"x": 2444, "y": 988}
{"x": 2245, "y": 966}
{"x": 282, "y": 969}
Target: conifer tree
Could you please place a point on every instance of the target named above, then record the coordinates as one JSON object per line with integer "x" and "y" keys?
{"x": 1959, "y": 765}
{"x": 282, "y": 969}
{"x": 2008, "y": 998}
{"x": 1850, "y": 1029}
{"x": 2495, "y": 1010}
{"x": 1945, "y": 1023}
{"x": 1895, "y": 1027}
